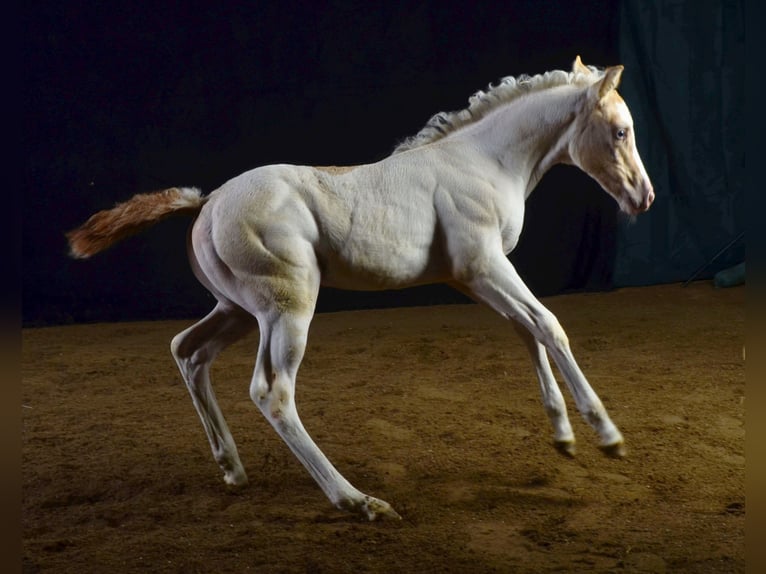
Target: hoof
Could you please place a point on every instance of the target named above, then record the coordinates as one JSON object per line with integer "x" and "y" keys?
{"x": 566, "y": 447}
{"x": 372, "y": 508}
{"x": 235, "y": 480}
{"x": 615, "y": 450}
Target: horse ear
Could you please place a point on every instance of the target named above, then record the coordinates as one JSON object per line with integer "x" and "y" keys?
{"x": 578, "y": 66}
{"x": 610, "y": 81}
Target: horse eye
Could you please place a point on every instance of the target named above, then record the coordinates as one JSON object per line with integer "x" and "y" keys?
{"x": 621, "y": 134}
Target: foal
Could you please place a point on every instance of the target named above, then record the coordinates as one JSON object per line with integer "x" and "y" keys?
{"x": 447, "y": 206}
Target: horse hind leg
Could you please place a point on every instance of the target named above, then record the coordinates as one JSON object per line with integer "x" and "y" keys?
{"x": 282, "y": 345}
{"x": 194, "y": 350}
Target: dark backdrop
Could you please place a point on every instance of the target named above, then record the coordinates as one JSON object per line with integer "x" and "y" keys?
{"x": 126, "y": 98}
{"x": 687, "y": 89}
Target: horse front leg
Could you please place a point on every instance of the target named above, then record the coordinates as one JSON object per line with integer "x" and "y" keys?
{"x": 553, "y": 400}
{"x": 493, "y": 280}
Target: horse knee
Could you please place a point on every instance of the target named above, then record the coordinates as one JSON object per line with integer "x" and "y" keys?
{"x": 558, "y": 335}
{"x": 552, "y": 333}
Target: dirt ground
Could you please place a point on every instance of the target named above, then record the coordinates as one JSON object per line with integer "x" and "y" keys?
{"x": 434, "y": 409}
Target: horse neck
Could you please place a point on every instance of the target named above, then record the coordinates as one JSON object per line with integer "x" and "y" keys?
{"x": 530, "y": 135}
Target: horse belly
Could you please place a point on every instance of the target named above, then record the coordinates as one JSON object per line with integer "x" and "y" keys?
{"x": 374, "y": 265}
{"x": 380, "y": 254}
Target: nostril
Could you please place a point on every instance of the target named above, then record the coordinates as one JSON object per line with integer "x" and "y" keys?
{"x": 649, "y": 198}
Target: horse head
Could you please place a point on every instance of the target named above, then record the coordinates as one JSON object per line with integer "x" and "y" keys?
{"x": 604, "y": 143}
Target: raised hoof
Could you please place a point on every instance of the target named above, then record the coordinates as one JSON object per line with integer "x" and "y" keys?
{"x": 566, "y": 447}
{"x": 616, "y": 450}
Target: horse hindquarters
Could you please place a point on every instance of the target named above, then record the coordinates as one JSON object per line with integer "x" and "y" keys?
{"x": 273, "y": 277}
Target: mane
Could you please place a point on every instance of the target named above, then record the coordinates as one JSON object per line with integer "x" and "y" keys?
{"x": 482, "y": 103}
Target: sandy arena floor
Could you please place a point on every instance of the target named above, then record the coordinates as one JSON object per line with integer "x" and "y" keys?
{"x": 434, "y": 409}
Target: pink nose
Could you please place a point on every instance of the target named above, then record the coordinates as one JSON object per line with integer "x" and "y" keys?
{"x": 648, "y": 199}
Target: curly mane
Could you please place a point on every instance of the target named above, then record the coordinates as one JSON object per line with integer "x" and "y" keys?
{"x": 482, "y": 103}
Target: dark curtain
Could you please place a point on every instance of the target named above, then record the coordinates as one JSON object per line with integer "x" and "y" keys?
{"x": 684, "y": 83}
{"x": 122, "y": 100}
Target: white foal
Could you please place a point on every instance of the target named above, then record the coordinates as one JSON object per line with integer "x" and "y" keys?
{"x": 446, "y": 206}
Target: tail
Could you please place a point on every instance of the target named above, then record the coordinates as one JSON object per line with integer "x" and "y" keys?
{"x": 105, "y": 228}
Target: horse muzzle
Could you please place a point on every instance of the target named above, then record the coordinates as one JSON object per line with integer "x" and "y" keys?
{"x": 647, "y": 199}
{"x": 638, "y": 200}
